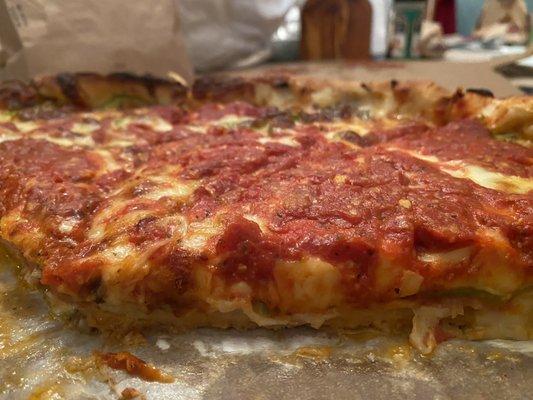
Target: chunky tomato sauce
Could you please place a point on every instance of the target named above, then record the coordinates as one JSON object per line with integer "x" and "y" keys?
{"x": 352, "y": 206}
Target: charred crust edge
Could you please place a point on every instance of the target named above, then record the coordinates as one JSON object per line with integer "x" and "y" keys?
{"x": 68, "y": 83}
{"x": 16, "y": 94}
{"x": 481, "y": 92}
{"x": 217, "y": 87}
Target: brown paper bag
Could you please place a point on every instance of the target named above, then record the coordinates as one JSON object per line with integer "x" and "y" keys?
{"x": 50, "y": 36}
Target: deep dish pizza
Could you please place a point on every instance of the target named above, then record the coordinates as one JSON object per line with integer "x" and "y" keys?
{"x": 272, "y": 200}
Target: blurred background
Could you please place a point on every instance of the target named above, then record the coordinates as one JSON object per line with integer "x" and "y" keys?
{"x": 496, "y": 33}
{"x": 248, "y": 32}
{"x": 50, "y": 36}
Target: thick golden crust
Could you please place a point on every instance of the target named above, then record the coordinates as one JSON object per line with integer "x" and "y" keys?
{"x": 308, "y": 92}
{"x": 271, "y": 200}
{"x": 285, "y": 89}
{"x": 414, "y": 99}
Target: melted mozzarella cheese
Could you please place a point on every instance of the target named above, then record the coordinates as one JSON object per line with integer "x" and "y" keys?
{"x": 85, "y": 128}
{"x": 479, "y": 175}
{"x": 488, "y": 179}
{"x": 198, "y": 234}
{"x": 84, "y": 141}
{"x": 158, "y": 124}
{"x": 117, "y": 253}
{"x": 26, "y": 126}
{"x": 8, "y": 135}
{"x": 110, "y": 164}
{"x": 425, "y": 321}
{"x": 231, "y": 121}
{"x": 446, "y": 258}
{"x": 311, "y": 284}
{"x": 170, "y": 187}
{"x": 286, "y": 140}
{"x": 360, "y": 127}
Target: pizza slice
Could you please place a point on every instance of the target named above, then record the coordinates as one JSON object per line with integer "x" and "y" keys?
{"x": 267, "y": 201}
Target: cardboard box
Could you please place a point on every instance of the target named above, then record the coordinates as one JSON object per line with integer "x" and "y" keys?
{"x": 451, "y": 75}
